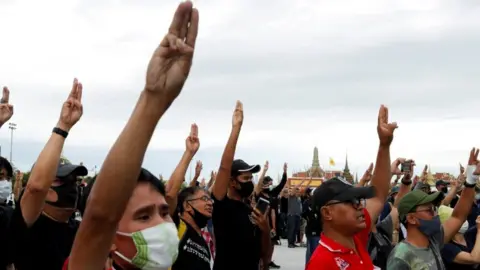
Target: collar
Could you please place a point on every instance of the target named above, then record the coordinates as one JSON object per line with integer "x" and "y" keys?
{"x": 335, "y": 247}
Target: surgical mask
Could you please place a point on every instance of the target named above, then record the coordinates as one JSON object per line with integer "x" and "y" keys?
{"x": 464, "y": 228}
{"x": 67, "y": 195}
{"x": 5, "y": 189}
{"x": 157, "y": 247}
{"x": 200, "y": 219}
{"x": 430, "y": 227}
{"x": 246, "y": 188}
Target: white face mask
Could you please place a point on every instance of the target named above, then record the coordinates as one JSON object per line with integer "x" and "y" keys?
{"x": 464, "y": 228}
{"x": 5, "y": 189}
{"x": 157, "y": 247}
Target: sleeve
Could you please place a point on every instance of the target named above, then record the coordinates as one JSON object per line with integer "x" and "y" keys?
{"x": 276, "y": 190}
{"x": 397, "y": 264}
{"x": 449, "y": 252}
{"x": 364, "y": 234}
{"x": 317, "y": 262}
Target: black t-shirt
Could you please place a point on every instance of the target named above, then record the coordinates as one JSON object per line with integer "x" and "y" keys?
{"x": 5, "y": 217}
{"x": 314, "y": 224}
{"x": 450, "y": 251}
{"x": 284, "y": 205}
{"x": 193, "y": 251}
{"x": 45, "y": 245}
{"x": 238, "y": 240}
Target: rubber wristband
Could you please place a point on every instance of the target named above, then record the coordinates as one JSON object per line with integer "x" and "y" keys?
{"x": 407, "y": 183}
{"x": 467, "y": 185}
{"x": 60, "y": 132}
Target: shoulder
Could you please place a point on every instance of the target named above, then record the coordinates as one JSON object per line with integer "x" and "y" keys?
{"x": 394, "y": 263}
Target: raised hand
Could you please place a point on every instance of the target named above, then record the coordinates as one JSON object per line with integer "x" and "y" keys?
{"x": 367, "y": 176}
{"x": 202, "y": 183}
{"x": 72, "y": 108}
{"x": 170, "y": 64}
{"x": 265, "y": 167}
{"x": 462, "y": 169}
{"x": 198, "y": 168}
{"x": 394, "y": 168}
{"x": 192, "y": 143}
{"x": 6, "y": 109}
{"x": 384, "y": 128}
{"x": 285, "y": 167}
{"x": 237, "y": 119}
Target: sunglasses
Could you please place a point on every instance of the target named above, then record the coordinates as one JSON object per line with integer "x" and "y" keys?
{"x": 355, "y": 202}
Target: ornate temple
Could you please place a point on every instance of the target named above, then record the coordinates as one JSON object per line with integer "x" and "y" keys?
{"x": 346, "y": 172}
{"x": 315, "y": 172}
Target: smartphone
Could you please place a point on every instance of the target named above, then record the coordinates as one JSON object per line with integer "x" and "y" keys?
{"x": 262, "y": 205}
{"x": 406, "y": 166}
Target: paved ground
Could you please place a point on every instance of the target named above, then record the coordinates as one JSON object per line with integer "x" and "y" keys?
{"x": 289, "y": 258}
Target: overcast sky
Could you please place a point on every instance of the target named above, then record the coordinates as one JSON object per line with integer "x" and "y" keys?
{"x": 309, "y": 72}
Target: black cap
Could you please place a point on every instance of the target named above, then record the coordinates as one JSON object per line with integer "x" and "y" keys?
{"x": 339, "y": 189}
{"x": 64, "y": 170}
{"x": 240, "y": 166}
{"x": 441, "y": 182}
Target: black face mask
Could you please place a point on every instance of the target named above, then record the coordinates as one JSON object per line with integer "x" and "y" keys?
{"x": 246, "y": 189}
{"x": 67, "y": 195}
{"x": 200, "y": 219}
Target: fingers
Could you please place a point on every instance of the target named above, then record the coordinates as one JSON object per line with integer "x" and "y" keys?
{"x": 74, "y": 88}
{"x": 185, "y": 24}
{"x": 192, "y": 32}
{"x": 79, "y": 91}
{"x": 381, "y": 115}
{"x": 5, "y": 95}
{"x": 194, "y": 130}
{"x": 239, "y": 106}
{"x": 182, "y": 11}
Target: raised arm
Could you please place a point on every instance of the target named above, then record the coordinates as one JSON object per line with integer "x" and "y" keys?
{"x": 259, "y": 185}
{"x": 166, "y": 74}
{"x": 464, "y": 204}
{"x": 6, "y": 109}
{"x": 276, "y": 190}
{"x": 198, "y": 170}
{"x": 220, "y": 187}
{"x": 382, "y": 173}
{"x": 192, "y": 144}
{"x": 367, "y": 176}
{"x": 44, "y": 171}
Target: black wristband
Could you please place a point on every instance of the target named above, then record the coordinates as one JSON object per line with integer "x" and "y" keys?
{"x": 467, "y": 185}
{"x": 60, "y": 132}
{"x": 407, "y": 183}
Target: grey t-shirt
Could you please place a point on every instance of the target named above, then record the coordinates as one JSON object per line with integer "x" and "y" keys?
{"x": 407, "y": 257}
{"x": 294, "y": 205}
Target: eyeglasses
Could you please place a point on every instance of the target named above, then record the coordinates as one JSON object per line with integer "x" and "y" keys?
{"x": 355, "y": 203}
{"x": 430, "y": 210}
{"x": 203, "y": 198}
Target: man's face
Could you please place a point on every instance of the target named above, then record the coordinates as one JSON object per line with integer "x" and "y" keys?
{"x": 4, "y": 174}
{"x": 423, "y": 212}
{"x": 145, "y": 209}
{"x": 244, "y": 177}
{"x": 63, "y": 194}
{"x": 347, "y": 216}
{"x": 202, "y": 202}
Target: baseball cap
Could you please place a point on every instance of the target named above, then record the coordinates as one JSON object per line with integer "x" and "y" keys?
{"x": 394, "y": 190}
{"x": 422, "y": 185}
{"x": 65, "y": 169}
{"x": 240, "y": 166}
{"x": 442, "y": 182}
{"x": 415, "y": 198}
{"x": 338, "y": 188}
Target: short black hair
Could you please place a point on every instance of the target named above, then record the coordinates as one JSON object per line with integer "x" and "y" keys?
{"x": 185, "y": 195}
{"x": 267, "y": 179}
{"x": 5, "y": 164}
{"x": 144, "y": 177}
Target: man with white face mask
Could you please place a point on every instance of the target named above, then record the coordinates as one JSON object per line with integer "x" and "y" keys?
{"x": 127, "y": 216}
{"x": 462, "y": 252}
{"x": 6, "y": 173}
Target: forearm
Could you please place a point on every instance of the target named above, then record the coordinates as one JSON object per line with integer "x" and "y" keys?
{"x": 476, "y": 248}
{"x": 382, "y": 173}
{"x": 176, "y": 179}
{"x": 464, "y": 205}
{"x": 223, "y": 176}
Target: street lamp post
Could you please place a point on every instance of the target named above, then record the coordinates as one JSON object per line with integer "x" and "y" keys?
{"x": 12, "y": 127}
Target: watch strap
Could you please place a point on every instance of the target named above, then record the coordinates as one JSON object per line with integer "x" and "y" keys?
{"x": 60, "y": 132}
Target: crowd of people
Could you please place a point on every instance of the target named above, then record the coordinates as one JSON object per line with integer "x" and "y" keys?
{"x": 127, "y": 218}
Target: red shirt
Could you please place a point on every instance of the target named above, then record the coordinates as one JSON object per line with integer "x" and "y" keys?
{"x": 331, "y": 255}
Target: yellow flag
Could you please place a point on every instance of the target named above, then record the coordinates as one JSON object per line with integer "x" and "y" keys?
{"x": 332, "y": 162}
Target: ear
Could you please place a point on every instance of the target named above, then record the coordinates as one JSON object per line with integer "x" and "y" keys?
{"x": 51, "y": 196}
{"x": 326, "y": 213}
{"x": 411, "y": 219}
{"x": 186, "y": 206}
